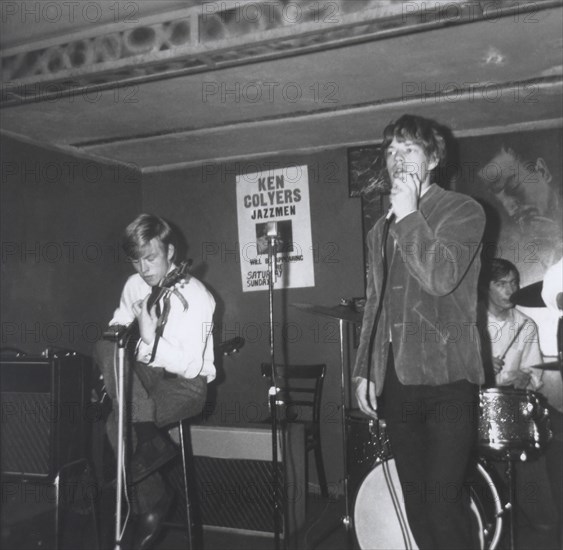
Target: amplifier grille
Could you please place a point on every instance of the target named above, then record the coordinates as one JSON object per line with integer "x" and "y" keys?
{"x": 26, "y": 429}
{"x": 236, "y": 493}
{"x": 231, "y": 479}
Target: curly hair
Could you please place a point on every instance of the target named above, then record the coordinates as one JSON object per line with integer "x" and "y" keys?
{"x": 423, "y": 131}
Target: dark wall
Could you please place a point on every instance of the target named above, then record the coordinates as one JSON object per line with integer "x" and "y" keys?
{"x": 62, "y": 271}
{"x": 202, "y": 202}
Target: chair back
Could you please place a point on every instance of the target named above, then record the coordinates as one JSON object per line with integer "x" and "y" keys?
{"x": 302, "y": 387}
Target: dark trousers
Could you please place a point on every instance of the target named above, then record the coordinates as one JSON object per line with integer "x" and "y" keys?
{"x": 150, "y": 396}
{"x": 432, "y": 431}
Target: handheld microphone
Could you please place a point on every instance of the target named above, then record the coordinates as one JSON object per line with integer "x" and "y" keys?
{"x": 390, "y": 214}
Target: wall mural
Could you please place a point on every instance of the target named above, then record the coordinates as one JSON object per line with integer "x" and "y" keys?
{"x": 516, "y": 177}
{"x": 368, "y": 181}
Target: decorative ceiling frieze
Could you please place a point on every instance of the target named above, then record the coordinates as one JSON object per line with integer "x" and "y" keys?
{"x": 216, "y": 35}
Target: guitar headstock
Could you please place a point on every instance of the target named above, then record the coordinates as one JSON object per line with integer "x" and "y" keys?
{"x": 230, "y": 346}
{"x": 175, "y": 276}
{"x": 181, "y": 273}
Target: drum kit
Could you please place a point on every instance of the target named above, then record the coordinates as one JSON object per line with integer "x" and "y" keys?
{"x": 514, "y": 425}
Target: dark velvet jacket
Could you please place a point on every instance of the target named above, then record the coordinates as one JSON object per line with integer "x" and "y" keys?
{"x": 430, "y": 302}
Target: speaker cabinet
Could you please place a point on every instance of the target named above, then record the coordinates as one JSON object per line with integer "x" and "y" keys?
{"x": 232, "y": 469}
{"x": 43, "y": 414}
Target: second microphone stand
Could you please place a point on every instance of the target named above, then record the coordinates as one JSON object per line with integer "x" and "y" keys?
{"x": 275, "y": 400}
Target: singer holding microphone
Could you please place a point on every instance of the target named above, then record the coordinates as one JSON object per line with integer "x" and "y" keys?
{"x": 419, "y": 355}
{"x": 166, "y": 380}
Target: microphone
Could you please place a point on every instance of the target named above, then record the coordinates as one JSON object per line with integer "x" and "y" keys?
{"x": 272, "y": 230}
{"x": 390, "y": 215}
{"x": 272, "y": 234}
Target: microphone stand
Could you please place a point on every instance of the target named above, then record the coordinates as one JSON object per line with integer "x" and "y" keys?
{"x": 120, "y": 335}
{"x": 275, "y": 398}
{"x": 121, "y": 344}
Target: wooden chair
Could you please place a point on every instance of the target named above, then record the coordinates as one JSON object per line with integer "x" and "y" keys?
{"x": 302, "y": 387}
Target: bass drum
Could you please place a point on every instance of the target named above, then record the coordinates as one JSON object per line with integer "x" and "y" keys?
{"x": 380, "y": 520}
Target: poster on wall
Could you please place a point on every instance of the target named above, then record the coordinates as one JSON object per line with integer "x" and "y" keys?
{"x": 280, "y": 196}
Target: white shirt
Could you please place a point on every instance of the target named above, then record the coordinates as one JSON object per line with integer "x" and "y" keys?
{"x": 186, "y": 346}
{"x": 515, "y": 340}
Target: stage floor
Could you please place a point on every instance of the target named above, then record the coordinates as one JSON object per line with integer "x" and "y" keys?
{"x": 28, "y": 524}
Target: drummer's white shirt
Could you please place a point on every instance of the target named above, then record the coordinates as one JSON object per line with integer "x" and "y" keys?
{"x": 522, "y": 348}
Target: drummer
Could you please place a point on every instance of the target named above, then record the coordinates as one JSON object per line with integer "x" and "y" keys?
{"x": 510, "y": 342}
{"x": 510, "y": 347}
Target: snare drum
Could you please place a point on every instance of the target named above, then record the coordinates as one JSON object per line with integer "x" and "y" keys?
{"x": 512, "y": 422}
{"x": 380, "y": 520}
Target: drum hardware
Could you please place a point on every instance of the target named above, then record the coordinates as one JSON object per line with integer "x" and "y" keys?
{"x": 553, "y": 365}
{"x": 529, "y": 296}
{"x": 511, "y": 504}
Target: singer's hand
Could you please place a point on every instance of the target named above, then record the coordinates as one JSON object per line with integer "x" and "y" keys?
{"x": 405, "y": 192}
{"x": 366, "y": 401}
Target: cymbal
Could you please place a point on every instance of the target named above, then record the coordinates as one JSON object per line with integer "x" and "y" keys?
{"x": 345, "y": 313}
{"x": 529, "y": 296}
{"x": 554, "y": 365}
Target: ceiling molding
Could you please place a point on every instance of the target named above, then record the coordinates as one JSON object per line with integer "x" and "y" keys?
{"x": 491, "y": 130}
{"x": 506, "y": 89}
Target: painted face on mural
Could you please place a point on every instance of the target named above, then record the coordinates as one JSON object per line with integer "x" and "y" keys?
{"x": 522, "y": 187}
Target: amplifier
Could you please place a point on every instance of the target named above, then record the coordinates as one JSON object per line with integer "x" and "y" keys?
{"x": 232, "y": 471}
{"x": 43, "y": 414}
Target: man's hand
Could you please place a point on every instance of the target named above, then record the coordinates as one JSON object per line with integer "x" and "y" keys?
{"x": 405, "y": 192}
{"x": 520, "y": 380}
{"x": 368, "y": 404}
{"x": 498, "y": 363}
{"x": 147, "y": 321}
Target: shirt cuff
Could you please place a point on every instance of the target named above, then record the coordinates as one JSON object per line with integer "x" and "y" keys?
{"x": 144, "y": 352}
